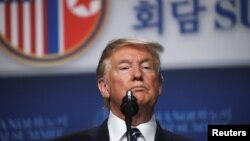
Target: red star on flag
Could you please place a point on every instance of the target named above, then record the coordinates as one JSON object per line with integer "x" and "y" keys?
{"x": 86, "y": 3}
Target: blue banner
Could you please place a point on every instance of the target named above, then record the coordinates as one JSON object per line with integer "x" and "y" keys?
{"x": 43, "y": 107}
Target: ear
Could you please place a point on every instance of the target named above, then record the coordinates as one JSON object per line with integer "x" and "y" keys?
{"x": 104, "y": 88}
{"x": 160, "y": 88}
{"x": 161, "y": 80}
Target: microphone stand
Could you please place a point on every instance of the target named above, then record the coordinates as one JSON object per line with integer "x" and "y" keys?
{"x": 128, "y": 121}
{"x": 129, "y": 108}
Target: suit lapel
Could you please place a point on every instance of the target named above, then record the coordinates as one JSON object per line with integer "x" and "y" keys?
{"x": 101, "y": 133}
{"x": 159, "y": 135}
{"x": 165, "y": 135}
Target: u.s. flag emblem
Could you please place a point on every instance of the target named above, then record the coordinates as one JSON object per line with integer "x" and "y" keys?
{"x": 49, "y": 30}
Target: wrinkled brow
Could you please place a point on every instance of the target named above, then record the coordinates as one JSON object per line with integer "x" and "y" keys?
{"x": 147, "y": 59}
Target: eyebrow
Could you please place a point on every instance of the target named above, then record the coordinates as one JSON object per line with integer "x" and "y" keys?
{"x": 124, "y": 61}
{"x": 148, "y": 59}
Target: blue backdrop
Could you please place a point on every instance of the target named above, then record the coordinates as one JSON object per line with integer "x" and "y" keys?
{"x": 42, "y": 107}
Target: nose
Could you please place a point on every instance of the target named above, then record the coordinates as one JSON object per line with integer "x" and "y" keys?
{"x": 137, "y": 74}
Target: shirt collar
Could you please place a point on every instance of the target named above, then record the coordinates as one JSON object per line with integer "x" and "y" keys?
{"x": 117, "y": 128}
{"x": 148, "y": 129}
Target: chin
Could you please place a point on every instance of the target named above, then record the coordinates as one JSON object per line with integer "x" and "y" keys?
{"x": 140, "y": 100}
{"x": 139, "y": 92}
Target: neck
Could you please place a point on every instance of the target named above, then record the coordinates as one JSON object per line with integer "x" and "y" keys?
{"x": 144, "y": 115}
{"x": 141, "y": 117}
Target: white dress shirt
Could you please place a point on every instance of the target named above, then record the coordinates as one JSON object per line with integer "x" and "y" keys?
{"x": 117, "y": 129}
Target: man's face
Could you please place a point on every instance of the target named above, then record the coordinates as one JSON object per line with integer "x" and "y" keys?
{"x": 131, "y": 68}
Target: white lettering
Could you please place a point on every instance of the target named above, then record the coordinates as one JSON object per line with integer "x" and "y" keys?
{"x": 244, "y": 133}
{"x": 215, "y": 132}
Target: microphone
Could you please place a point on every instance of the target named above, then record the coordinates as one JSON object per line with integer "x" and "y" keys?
{"x": 129, "y": 108}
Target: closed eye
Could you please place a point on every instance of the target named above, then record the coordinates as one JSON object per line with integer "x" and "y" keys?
{"x": 123, "y": 68}
{"x": 147, "y": 67}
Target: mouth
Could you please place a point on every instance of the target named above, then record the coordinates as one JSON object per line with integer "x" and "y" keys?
{"x": 138, "y": 89}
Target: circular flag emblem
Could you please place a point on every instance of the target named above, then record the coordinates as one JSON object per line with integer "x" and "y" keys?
{"x": 49, "y": 30}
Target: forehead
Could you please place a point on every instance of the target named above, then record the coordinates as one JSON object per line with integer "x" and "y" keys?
{"x": 126, "y": 50}
{"x": 130, "y": 52}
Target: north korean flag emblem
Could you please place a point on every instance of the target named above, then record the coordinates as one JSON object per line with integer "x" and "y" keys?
{"x": 44, "y": 31}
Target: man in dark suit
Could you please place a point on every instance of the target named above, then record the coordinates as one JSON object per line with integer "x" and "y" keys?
{"x": 129, "y": 65}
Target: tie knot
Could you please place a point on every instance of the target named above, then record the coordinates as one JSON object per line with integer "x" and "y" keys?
{"x": 135, "y": 134}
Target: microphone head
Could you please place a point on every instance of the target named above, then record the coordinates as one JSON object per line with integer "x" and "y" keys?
{"x": 129, "y": 106}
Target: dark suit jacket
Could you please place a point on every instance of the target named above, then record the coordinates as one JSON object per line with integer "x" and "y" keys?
{"x": 100, "y": 133}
